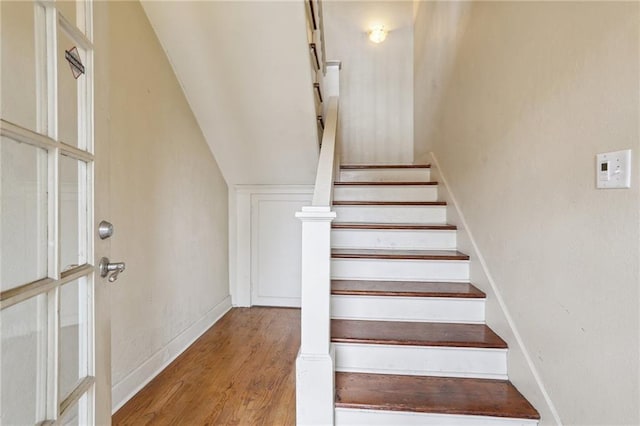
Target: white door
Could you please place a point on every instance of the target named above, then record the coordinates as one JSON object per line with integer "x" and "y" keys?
{"x": 54, "y": 307}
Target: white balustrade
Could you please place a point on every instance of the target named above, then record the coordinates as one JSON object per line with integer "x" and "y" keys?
{"x": 315, "y": 364}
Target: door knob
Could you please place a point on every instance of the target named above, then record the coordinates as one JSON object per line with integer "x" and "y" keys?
{"x": 105, "y": 230}
{"x": 110, "y": 269}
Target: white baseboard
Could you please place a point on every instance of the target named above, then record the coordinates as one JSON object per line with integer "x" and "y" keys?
{"x": 124, "y": 390}
{"x": 485, "y": 268}
{"x": 359, "y": 417}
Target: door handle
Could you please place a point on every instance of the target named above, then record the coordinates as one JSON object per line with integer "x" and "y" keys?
{"x": 110, "y": 269}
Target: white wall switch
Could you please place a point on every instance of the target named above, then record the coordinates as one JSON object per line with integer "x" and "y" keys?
{"x": 613, "y": 169}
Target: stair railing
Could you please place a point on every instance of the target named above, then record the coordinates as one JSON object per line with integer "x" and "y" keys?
{"x": 318, "y": 66}
{"x": 315, "y": 362}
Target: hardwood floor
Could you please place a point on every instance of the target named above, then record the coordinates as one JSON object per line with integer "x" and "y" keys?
{"x": 384, "y": 166}
{"x": 240, "y": 372}
{"x": 405, "y": 289}
{"x": 389, "y": 203}
{"x": 422, "y": 394}
{"x": 396, "y": 226}
{"x": 415, "y": 334}
{"x": 383, "y": 183}
{"x": 398, "y": 254}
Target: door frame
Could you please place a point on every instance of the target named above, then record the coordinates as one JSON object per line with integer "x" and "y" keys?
{"x": 92, "y": 139}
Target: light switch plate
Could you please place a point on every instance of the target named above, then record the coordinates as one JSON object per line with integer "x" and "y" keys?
{"x": 613, "y": 169}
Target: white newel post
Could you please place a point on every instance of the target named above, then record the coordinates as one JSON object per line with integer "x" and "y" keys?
{"x": 315, "y": 361}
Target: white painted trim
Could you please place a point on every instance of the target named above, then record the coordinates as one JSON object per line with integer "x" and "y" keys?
{"x": 262, "y": 258}
{"x": 400, "y": 269}
{"x": 385, "y": 193}
{"x": 315, "y": 388}
{"x": 240, "y": 199}
{"x": 408, "y": 308}
{"x": 352, "y": 416}
{"x": 494, "y": 287}
{"x": 125, "y": 389}
{"x": 422, "y": 239}
{"x": 385, "y": 175}
{"x": 327, "y": 163}
{"x": 441, "y": 361}
{"x": 391, "y": 214}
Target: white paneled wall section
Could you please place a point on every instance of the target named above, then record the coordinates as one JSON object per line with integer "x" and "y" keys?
{"x": 264, "y": 238}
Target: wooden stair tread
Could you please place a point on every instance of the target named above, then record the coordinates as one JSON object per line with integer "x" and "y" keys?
{"x": 397, "y": 226}
{"x": 384, "y": 183}
{"x": 444, "y": 395}
{"x": 389, "y": 203}
{"x": 405, "y": 288}
{"x": 415, "y": 334}
{"x": 384, "y": 166}
{"x": 392, "y": 254}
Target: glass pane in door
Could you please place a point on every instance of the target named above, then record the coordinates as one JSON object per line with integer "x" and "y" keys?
{"x": 71, "y": 417}
{"x": 73, "y": 213}
{"x": 23, "y": 354}
{"x": 73, "y": 336}
{"x": 68, "y": 89}
{"x": 23, "y": 213}
{"x": 77, "y": 414}
{"x": 19, "y": 51}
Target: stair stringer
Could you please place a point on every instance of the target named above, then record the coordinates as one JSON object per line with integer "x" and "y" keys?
{"x": 521, "y": 371}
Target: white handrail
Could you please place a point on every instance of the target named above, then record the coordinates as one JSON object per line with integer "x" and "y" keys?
{"x": 315, "y": 362}
{"x": 323, "y": 190}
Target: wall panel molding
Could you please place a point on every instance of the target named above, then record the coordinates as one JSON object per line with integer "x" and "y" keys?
{"x": 264, "y": 239}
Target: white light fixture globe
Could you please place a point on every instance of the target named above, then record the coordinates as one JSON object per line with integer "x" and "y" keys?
{"x": 377, "y": 34}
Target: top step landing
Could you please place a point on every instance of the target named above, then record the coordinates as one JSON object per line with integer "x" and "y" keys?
{"x": 385, "y": 173}
{"x": 384, "y": 166}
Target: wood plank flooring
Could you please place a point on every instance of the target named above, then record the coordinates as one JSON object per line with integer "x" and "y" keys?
{"x": 398, "y": 254}
{"x": 240, "y": 372}
{"x": 415, "y": 334}
{"x": 396, "y": 226}
{"x": 389, "y": 203}
{"x": 385, "y": 183}
{"x": 446, "y": 395}
{"x": 405, "y": 289}
{"x": 384, "y": 166}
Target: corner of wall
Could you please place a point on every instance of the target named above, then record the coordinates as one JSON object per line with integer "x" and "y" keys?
{"x": 239, "y": 245}
{"x": 522, "y": 371}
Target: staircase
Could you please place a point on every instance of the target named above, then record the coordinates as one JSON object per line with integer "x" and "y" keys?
{"x": 411, "y": 345}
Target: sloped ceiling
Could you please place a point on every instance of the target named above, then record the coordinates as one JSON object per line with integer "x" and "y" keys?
{"x": 244, "y": 67}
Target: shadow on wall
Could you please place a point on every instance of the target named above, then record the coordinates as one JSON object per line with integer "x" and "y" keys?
{"x": 437, "y": 33}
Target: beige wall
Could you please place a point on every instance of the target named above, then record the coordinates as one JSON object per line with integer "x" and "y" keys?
{"x": 438, "y": 27}
{"x": 245, "y": 70}
{"x": 531, "y": 92}
{"x": 376, "y": 80}
{"x": 168, "y": 205}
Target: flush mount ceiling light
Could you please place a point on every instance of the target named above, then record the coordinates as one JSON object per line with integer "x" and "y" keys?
{"x": 377, "y": 34}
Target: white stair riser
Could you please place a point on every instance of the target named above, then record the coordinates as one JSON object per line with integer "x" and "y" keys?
{"x": 422, "y": 360}
{"x": 386, "y": 175}
{"x": 353, "y": 417}
{"x": 415, "y": 309}
{"x": 392, "y": 214}
{"x": 386, "y": 193}
{"x": 394, "y": 239}
{"x": 400, "y": 270}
